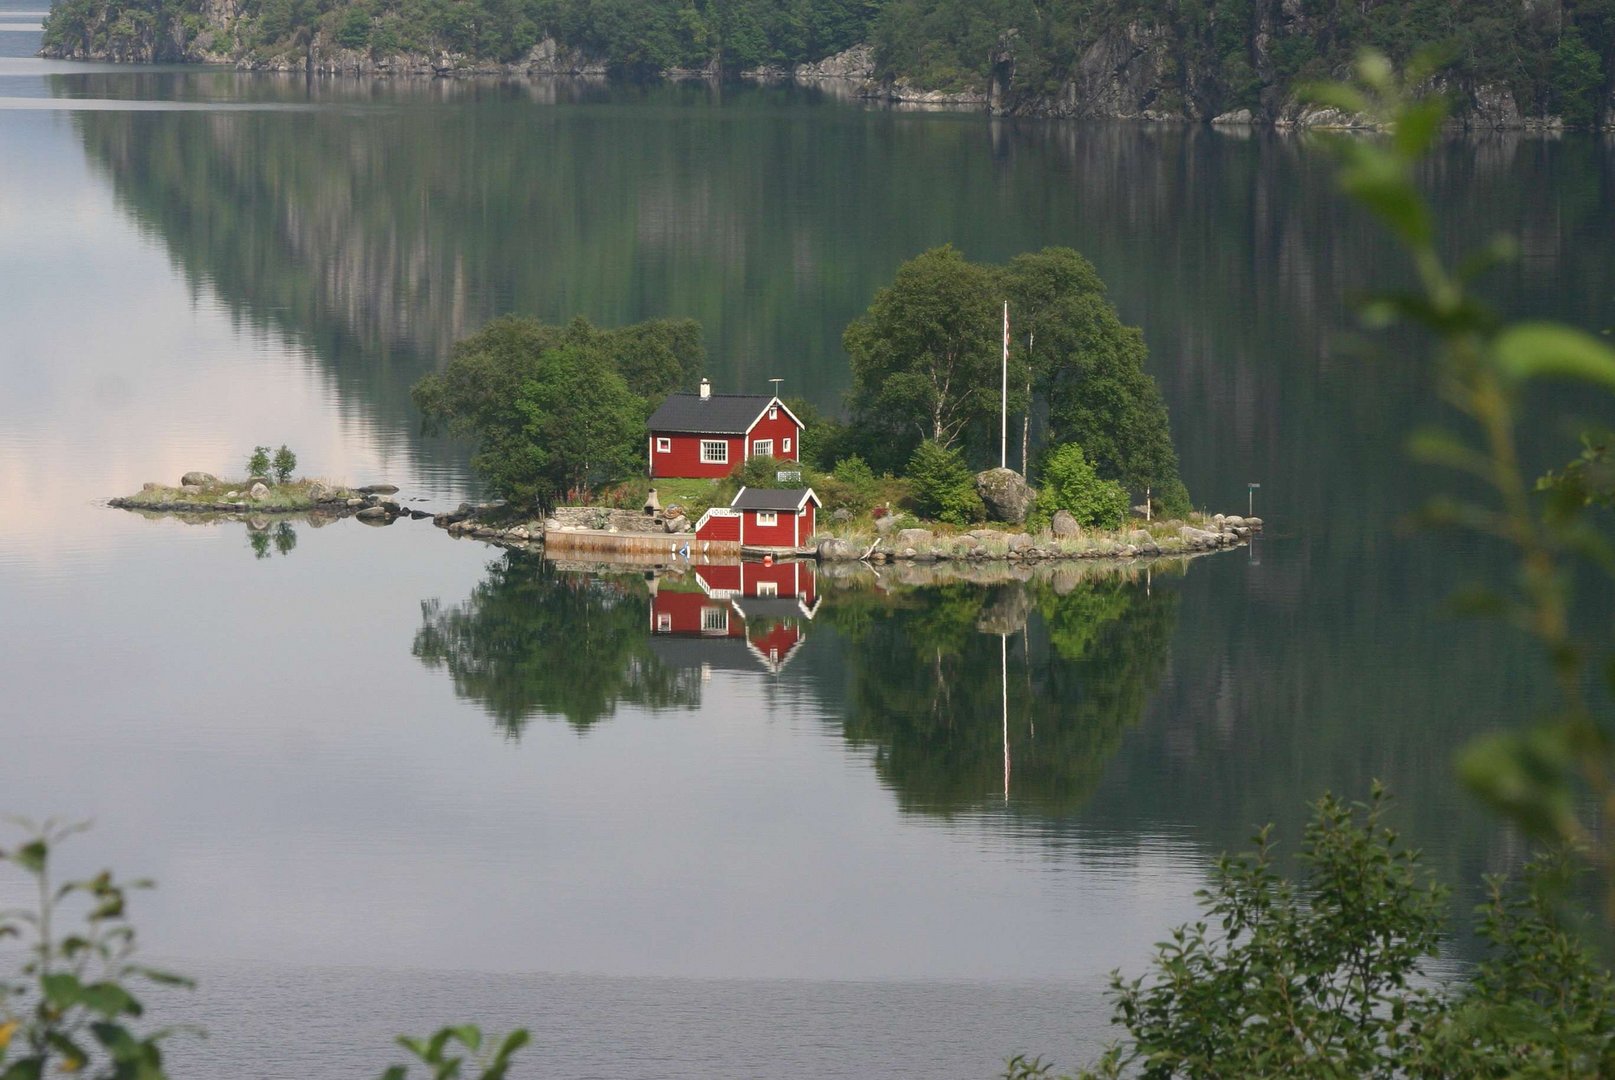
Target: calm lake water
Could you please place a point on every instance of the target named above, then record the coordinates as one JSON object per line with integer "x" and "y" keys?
{"x": 387, "y": 780}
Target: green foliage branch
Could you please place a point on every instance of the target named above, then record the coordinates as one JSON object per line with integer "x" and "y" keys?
{"x": 1553, "y": 776}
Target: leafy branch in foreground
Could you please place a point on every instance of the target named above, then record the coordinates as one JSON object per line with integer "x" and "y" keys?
{"x": 70, "y": 1007}
{"x": 492, "y": 1057}
{"x": 1538, "y": 773}
{"x": 1327, "y": 976}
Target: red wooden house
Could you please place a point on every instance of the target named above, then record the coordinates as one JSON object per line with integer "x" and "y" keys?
{"x": 707, "y": 434}
{"x": 779, "y": 518}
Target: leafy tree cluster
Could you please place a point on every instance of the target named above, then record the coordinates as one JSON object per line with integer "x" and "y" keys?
{"x": 632, "y": 36}
{"x": 1228, "y": 54}
{"x": 1555, "y": 57}
{"x": 927, "y": 356}
{"x": 558, "y": 410}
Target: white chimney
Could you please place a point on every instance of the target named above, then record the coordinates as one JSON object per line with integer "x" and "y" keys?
{"x": 706, "y": 389}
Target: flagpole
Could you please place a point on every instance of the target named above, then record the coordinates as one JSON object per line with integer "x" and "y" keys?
{"x": 1003, "y": 399}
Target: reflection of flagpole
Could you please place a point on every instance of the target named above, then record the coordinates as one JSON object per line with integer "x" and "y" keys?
{"x": 1003, "y": 399}
{"x": 1003, "y": 680}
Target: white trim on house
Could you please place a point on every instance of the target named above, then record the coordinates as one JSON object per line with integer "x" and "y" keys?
{"x": 780, "y": 405}
{"x": 718, "y": 625}
{"x": 664, "y": 444}
{"x": 722, "y": 451}
{"x": 766, "y": 518}
{"x": 785, "y": 445}
{"x": 763, "y": 447}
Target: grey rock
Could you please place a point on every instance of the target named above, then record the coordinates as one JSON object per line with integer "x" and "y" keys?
{"x": 842, "y": 514}
{"x": 1234, "y": 118}
{"x": 191, "y": 489}
{"x": 885, "y": 524}
{"x": 835, "y": 549}
{"x": 379, "y": 489}
{"x": 258, "y": 491}
{"x": 372, "y": 513}
{"x": 1019, "y": 542}
{"x": 1006, "y": 493}
{"x": 198, "y": 479}
{"x": 677, "y": 524}
{"x": 1065, "y": 525}
{"x": 913, "y": 537}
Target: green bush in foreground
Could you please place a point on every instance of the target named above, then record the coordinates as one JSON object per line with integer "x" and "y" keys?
{"x": 1326, "y": 976}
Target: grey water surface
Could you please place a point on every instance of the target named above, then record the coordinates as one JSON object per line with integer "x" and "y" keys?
{"x": 386, "y": 779}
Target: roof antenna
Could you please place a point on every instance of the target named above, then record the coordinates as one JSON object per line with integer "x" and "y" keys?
{"x": 776, "y": 383}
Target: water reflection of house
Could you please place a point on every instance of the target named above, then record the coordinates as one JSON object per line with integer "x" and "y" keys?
{"x": 744, "y": 616}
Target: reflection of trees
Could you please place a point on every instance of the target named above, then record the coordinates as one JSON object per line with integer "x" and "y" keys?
{"x": 925, "y": 689}
{"x": 530, "y": 641}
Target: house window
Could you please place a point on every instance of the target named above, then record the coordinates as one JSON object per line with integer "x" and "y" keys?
{"x": 762, "y": 448}
{"x": 773, "y": 412}
{"x": 767, "y": 517}
{"x": 768, "y": 588}
{"x": 715, "y": 451}
{"x": 664, "y": 623}
{"x": 714, "y": 620}
{"x": 785, "y": 446}
{"x": 664, "y": 446}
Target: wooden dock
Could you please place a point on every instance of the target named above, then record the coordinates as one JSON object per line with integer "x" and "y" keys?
{"x": 658, "y": 545}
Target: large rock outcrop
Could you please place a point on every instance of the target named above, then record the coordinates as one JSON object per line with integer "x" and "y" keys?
{"x": 1007, "y": 495}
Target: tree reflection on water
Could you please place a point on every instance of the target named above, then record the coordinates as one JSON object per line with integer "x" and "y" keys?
{"x": 1010, "y": 687}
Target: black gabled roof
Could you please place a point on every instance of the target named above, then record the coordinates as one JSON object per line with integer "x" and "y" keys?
{"x": 772, "y": 499}
{"x": 720, "y": 414}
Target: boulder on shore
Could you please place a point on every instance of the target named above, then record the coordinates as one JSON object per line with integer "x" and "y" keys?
{"x": 1006, "y": 493}
{"x": 379, "y": 489}
{"x": 913, "y": 537}
{"x": 197, "y": 479}
{"x": 835, "y": 549}
{"x": 1065, "y": 525}
{"x": 258, "y": 491}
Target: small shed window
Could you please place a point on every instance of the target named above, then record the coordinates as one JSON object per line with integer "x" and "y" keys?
{"x": 767, "y": 588}
{"x": 785, "y": 445}
{"x": 664, "y": 623}
{"x": 773, "y": 412}
{"x": 714, "y": 620}
{"x": 767, "y": 517}
{"x": 664, "y": 446}
{"x": 715, "y": 451}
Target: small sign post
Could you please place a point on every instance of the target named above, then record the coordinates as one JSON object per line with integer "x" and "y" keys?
{"x": 1250, "y": 499}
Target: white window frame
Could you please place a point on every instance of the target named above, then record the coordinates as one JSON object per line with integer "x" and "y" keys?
{"x": 762, "y": 448}
{"x": 714, "y": 451}
{"x": 664, "y": 623}
{"x": 767, "y": 588}
{"x": 664, "y": 446}
{"x": 715, "y": 620}
{"x": 767, "y": 519}
{"x": 785, "y": 445}
{"x": 773, "y": 412}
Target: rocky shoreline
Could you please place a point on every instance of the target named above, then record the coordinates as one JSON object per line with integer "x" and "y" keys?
{"x": 889, "y": 541}
{"x": 1065, "y": 540}
{"x": 204, "y": 493}
{"x": 1117, "y": 78}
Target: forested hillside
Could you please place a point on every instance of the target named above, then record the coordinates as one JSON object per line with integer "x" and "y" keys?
{"x": 1511, "y": 62}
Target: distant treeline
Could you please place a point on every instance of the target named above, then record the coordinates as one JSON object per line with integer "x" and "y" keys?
{"x": 1206, "y": 56}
